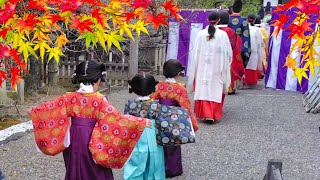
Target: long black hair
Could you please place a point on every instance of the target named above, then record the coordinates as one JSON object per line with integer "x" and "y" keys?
{"x": 251, "y": 19}
{"x": 213, "y": 18}
{"x": 142, "y": 84}
{"x": 89, "y": 72}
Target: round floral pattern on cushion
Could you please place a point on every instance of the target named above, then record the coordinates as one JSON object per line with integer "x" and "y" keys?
{"x": 174, "y": 126}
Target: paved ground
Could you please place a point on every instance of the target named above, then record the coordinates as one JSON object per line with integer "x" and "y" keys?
{"x": 258, "y": 125}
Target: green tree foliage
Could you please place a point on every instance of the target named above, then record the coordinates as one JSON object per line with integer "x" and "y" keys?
{"x": 249, "y": 6}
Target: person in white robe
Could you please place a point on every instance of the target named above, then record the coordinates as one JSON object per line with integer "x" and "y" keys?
{"x": 209, "y": 75}
{"x": 255, "y": 64}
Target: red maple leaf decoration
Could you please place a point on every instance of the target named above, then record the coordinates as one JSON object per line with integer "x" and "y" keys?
{"x": 283, "y": 18}
{"x": 3, "y": 32}
{"x": 173, "y": 9}
{"x": 35, "y": 4}
{"x": 29, "y": 22}
{"x": 5, "y": 51}
{"x": 140, "y": 4}
{"x": 15, "y": 55}
{"x": 7, "y": 12}
{"x": 129, "y": 16}
{"x": 308, "y": 7}
{"x": 55, "y": 18}
{"x": 101, "y": 18}
{"x": 71, "y": 5}
{"x": 3, "y": 76}
{"x": 15, "y": 76}
{"x": 157, "y": 20}
{"x": 299, "y": 30}
{"x": 94, "y": 2}
{"x": 81, "y": 26}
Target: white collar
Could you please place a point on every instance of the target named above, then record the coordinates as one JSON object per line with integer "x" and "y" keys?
{"x": 257, "y": 25}
{"x": 85, "y": 88}
{"x": 143, "y": 98}
{"x": 171, "y": 80}
{"x": 222, "y": 25}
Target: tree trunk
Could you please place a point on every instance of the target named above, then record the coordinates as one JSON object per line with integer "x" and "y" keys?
{"x": 32, "y": 79}
{"x": 53, "y": 77}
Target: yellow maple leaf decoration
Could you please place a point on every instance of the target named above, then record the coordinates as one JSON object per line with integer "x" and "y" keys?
{"x": 311, "y": 63}
{"x": 300, "y": 73}
{"x": 291, "y": 63}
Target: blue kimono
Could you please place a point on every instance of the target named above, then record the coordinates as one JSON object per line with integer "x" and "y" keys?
{"x": 147, "y": 159}
{"x": 241, "y": 26}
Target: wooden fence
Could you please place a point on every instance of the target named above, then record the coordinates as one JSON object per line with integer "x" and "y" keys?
{"x": 117, "y": 72}
{"x": 117, "y": 64}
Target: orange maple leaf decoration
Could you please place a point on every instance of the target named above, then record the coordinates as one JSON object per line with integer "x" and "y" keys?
{"x": 157, "y": 20}
{"x": 15, "y": 77}
{"x": 173, "y": 9}
{"x": 299, "y": 30}
{"x": 283, "y": 18}
{"x": 82, "y": 26}
{"x": 29, "y": 22}
{"x": 3, "y": 76}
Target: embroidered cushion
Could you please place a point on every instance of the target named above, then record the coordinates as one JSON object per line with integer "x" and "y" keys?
{"x": 174, "y": 126}
{"x": 145, "y": 109}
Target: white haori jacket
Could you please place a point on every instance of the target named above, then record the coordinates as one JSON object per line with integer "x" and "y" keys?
{"x": 257, "y": 49}
{"x": 210, "y": 66}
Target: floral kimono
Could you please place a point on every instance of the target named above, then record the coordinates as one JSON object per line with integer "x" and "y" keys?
{"x": 147, "y": 159}
{"x": 172, "y": 93}
{"x": 90, "y": 132}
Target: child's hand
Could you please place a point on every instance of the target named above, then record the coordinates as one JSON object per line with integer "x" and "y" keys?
{"x": 149, "y": 124}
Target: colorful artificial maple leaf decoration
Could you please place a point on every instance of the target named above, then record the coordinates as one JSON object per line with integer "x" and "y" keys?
{"x": 299, "y": 30}
{"x": 173, "y": 9}
{"x": 82, "y": 26}
{"x": 157, "y": 20}
{"x": 15, "y": 77}
{"x": 35, "y": 28}
{"x": 300, "y": 73}
{"x": 291, "y": 63}
{"x": 306, "y": 39}
{"x": 279, "y": 23}
{"x": 3, "y": 76}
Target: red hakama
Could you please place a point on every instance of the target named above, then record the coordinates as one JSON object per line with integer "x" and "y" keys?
{"x": 252, "y": 77}
{"x": 209, "y": 109}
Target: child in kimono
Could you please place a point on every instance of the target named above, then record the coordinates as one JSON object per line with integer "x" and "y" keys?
{"x": 93, "y": 136}
{"x": 172, "y": 93}
{"x": 147, "y": 159}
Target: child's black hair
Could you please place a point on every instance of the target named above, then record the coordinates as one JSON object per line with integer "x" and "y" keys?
{"x": 142, "y": 84}
{"x": 172, "y": 68}
{"x": 224, "y": 17}
{"x": 89, "y": 72}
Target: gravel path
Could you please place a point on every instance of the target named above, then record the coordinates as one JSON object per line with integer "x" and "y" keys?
{"x": 258, "y": 125}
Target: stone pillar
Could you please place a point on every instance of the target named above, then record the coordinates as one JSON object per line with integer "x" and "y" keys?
{"x": 20, "y": 88}
{"x": 133, "y": 58}
{"x": 3, "y": 93}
